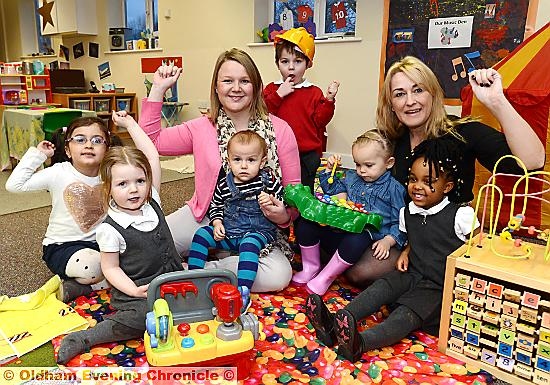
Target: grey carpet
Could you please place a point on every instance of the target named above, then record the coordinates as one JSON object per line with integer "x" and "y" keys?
{"x": 21, "y": 267}
{"x": 12, "y": 203}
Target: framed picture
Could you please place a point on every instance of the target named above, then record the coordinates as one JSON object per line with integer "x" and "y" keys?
{"x": 325, "y": 17}
{"x": 338, "y": 17}
{"x": 102, "y": 105}
{"x": 292, "y": 13}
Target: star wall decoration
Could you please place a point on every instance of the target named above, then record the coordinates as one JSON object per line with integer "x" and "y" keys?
{"x": 46, "y": 12}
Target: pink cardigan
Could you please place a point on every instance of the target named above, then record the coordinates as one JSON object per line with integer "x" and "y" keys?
{"x": 199, "y": 137}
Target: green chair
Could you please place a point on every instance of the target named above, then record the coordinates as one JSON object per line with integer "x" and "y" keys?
{"x": 53, "y": 120}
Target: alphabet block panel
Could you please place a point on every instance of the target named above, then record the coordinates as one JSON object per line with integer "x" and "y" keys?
{"x": 496, "y": 313}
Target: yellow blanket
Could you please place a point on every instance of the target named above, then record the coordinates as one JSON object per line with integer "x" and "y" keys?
{"x": 30, "y": 320}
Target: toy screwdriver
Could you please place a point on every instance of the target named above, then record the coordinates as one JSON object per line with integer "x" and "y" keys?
{"x": 331, "y": 177}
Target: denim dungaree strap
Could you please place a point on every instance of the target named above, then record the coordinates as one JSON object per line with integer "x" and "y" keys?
{"x": 243, "y": 214}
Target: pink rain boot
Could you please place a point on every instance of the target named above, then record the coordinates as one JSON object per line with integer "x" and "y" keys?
{"x": 320, "y": 284}
{"x": 311, "y": 264}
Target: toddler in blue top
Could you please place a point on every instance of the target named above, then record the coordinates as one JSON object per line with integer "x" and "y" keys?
{"x": 371, "y": 185}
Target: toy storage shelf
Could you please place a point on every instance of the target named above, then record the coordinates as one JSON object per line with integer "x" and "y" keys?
{"x": 102, "y": 104}
{"x": 496, "y": 310}
{"x": 19, "y": 89}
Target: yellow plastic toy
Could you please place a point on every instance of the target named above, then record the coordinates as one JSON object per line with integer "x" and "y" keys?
{"x": 301, "y": 38}
{"x": 196, "y": 320}
{"x": 492, "y": 197}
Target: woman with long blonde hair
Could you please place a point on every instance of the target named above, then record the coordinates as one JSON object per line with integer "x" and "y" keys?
{"x": 411, "y": 109}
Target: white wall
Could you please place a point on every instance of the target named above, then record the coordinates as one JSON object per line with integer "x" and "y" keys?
{"x": 200, "y": 30}
{"x": 543, "y": 13}
{"x": 27, "y": 30}
{"x": 354, "y": 64}
{"x": 3, "y": 31}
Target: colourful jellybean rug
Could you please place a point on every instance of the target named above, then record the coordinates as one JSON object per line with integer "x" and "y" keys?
{"x": 288, "y": 353}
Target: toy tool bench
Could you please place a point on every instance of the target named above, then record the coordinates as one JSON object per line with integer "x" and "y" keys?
{"x": 195, "y": 320}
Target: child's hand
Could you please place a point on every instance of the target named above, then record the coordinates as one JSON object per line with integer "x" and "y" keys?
{"x": 219, "y": 230}
{"x": 264, "y": 199}
{"x": 382, "y": 248}
{"x": 342, "y": 195}
{"x": 47, "y": 148}
{"x": 402, "y": 263}
{"x": 286, "y": 88}
{"x": 141, "y": 291}
{"x": 123, "y": 119}
{"x": 332, "y": 90}
{"x": 332, "y": 160}
{"x": 267, "y": 201}
{"x": 271, "y": 206}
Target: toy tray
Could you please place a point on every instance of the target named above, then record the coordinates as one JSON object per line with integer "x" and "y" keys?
{"x": 311, "y": 208}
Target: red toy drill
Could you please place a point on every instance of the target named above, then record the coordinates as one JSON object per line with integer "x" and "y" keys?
{"x": 228, "y": 301}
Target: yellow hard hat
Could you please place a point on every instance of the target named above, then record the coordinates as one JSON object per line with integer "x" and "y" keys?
{"x": 301, "y": 38}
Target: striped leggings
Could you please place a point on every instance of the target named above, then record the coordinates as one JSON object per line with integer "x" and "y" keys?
{"x": 249, "y": 248}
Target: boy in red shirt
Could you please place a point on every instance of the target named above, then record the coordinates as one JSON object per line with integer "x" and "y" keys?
{"x": 299, "y": 102}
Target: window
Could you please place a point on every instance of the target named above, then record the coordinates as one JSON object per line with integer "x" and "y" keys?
{"x": 44, "y": 42}
{"x": 324, "y": 17}
{"x": 141, "y": 15}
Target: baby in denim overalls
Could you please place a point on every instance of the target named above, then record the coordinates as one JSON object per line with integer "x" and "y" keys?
{"x": 237, "y": 222}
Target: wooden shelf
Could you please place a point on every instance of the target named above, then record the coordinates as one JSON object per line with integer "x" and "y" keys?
{"x": 28, "y": 88}
{"x": 102, "y": 104}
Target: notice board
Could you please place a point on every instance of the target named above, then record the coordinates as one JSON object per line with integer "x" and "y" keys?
{"x": 454, "y": 37}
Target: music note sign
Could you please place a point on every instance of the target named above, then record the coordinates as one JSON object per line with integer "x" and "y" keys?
{"x": 470, "y": 56}
{"x": 457, "y": 61}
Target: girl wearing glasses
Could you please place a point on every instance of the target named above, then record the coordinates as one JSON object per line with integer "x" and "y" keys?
{"x": 135, "y": 241}
{"x": 69, "y": 246}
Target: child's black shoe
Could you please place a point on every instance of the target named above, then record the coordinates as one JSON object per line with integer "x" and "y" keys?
{"x": 321, "y": 319}
{"x": 71, "y": 289}
{"x": 349, "y": 339}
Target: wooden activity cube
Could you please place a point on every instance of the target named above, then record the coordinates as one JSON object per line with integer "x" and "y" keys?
{"x": 496, "y": 311}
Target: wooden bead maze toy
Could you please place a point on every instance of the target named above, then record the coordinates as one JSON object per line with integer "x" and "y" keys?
{"x": 496, "y": 299}
{"x": 516, "y": 222}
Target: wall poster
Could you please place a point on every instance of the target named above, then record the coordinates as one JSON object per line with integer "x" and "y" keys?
{"x": 454, "y": 37}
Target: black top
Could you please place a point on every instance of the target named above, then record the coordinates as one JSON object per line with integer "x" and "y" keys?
{"x": 483, "y": 143}
{"x": 432, "y": 239}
